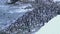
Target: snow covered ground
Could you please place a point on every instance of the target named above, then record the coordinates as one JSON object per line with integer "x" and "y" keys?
{"x": 10, "y": 13}
{"x": 52, "y": 27}
{"x": 56, "y": 0}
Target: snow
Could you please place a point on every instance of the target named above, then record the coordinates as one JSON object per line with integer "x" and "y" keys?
{"x": 52, "y": 27}
{"x": 10, "y": 13}
{"x": 56, "y": 0}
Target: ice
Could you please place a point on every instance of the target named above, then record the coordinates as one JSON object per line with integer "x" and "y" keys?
{"x": 10, "y": 13}
{"x": 56, "y": 0}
